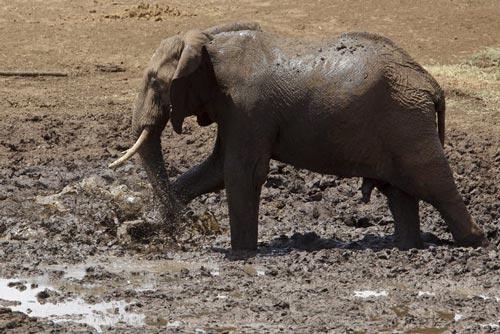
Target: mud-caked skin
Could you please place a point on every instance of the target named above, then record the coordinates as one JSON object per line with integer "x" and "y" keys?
{"x": 354, "y": 106}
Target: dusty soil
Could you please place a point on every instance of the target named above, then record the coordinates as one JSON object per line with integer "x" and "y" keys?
{"x": 326, "y": 262}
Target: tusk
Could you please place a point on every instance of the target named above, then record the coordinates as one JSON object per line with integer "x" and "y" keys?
{"x": 131, "y": 151}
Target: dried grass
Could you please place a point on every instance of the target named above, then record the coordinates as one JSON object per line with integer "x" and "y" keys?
{"x": 476, "y": 82}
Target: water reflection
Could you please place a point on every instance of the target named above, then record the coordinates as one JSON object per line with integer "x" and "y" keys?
{"x": 24, "y": 298}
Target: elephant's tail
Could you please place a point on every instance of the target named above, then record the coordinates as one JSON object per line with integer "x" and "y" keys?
{"x": 440, "y": 110}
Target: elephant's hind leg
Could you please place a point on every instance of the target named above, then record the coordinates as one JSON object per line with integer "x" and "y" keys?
{"x": 404, "y": 209}
{"x": 428, "y": 176}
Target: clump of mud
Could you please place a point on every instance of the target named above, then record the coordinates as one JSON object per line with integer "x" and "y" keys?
{"x": 18, "y": 322}
{"x": 98, "y": 209}
{"x": 152, "y": 12}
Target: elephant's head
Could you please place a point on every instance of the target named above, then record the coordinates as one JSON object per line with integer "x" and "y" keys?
{"x": 178, "y": 82}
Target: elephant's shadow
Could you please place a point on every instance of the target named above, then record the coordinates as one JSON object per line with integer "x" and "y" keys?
{"x": 310, "y": 242}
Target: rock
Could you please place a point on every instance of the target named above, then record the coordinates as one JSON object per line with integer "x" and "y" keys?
{"x": 382, "y": 255}
{"x": 274, "y": 181}
{"x": 109, "y": 68}
{"x": 184, "y": 272}
{"x": 385, "y": 221}
{"x": 205, "y": 272}
{"x": 129, "y": 201}
{"x": 18, "y": 285}
{"x": 282, "y": 305}
{"x": 208, "y": 224}
{"x": 315, "y": 212}
{"x": 492, "y": 255}
{"x": 250, "y": 270}
{"x": 315, "y": 197}
{"x": 297, "y": 186}
{"x": 280, "y": 204}
{"x": 363, "y": 222}
{"x": 44, "y": 294}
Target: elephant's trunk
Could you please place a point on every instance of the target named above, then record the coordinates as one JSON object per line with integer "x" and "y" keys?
{"x": 152, "y": 160}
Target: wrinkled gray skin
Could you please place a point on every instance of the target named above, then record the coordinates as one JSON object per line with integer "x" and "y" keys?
{"x": 353, "y": 106}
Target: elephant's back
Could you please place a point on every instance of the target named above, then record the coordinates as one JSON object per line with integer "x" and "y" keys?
{"x": 362, "y": 62}
{"x": 342, "y": 70}
{"x": 376, "y": 48}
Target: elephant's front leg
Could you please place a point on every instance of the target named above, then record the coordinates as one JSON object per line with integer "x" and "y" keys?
{"x": 206, "y": 177}
{"x": 244, "y": 175}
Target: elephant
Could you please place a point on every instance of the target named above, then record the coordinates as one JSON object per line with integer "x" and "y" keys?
{"x": 353, "y": 106}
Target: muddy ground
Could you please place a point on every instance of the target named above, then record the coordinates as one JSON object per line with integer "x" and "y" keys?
{"x": 77, "y": 253}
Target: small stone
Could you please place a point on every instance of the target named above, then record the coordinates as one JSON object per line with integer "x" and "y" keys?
{"x": 315, "y": 212}
{"x": 273, "y": 272}
{"x": 492, "y": 254}
{"x": 316, "y": 197}
{"x": 363, "y": 222}
{"x": 184, "y": 272}
{"x": 205, "y": 272}
{"x": 382, "y": 256}
{"x": 282, "y": 305}
{"x": 18, "y": 285}
{"x": 44, "y": 294}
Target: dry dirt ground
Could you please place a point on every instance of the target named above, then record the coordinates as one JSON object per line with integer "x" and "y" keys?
{"x": 72, "y": 261}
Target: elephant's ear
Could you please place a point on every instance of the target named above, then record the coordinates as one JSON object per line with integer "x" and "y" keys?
{"x": 193, "y": 79}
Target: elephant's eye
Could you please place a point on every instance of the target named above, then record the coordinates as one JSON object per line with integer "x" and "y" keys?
{"x": 155, "y": 84}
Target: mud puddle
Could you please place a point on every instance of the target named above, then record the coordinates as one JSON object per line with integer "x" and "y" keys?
{"x": 430, "y": 330}
{"x": 29, "y": 298}
{"x": 132, "y": 266}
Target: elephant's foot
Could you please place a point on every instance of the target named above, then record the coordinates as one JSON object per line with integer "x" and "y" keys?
{"x": 465, "y": 232}
{"x": 244, "y": 241}
{"x": 407, "y": 242}
{"x": 243, "y": 247}
{"x": 474, "y": 239}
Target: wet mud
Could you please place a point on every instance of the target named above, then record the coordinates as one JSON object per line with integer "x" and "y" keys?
{"x": 326, "y": 261}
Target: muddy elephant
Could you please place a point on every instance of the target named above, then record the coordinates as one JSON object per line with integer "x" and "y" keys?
{"x": 354, "y": 106}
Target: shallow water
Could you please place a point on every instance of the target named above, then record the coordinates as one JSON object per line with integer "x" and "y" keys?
{"x": 429, "y": 330}
{"x": 23, "y": 297}
{"x": 119, "y": 265}
{"x": 370, "y": 293}
{"x": 98, "y": 316}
